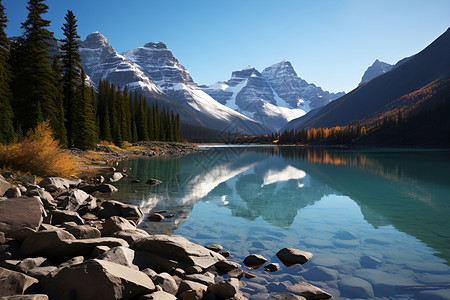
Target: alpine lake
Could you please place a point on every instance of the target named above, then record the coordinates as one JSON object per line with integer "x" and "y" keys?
{"x": 376, "y": 220}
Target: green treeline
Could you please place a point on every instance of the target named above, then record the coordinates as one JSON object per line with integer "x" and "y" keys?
{"x": 125, "y": 116}
{"x": 37, "y": 85}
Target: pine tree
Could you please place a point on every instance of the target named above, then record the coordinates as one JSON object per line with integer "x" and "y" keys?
{"x": 106, "y": 133}
{"x": 34, "y": 84}
{"x": 71, "y": 64}
{"x": 59, "y": 130}
{"x": 6, "y": 113}
{"x": 85, "y": 133}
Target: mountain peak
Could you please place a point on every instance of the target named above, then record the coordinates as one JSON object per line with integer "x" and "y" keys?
{"x": 283, "y": 68}
{"x": 376, "y": 69}
{"x": 156, "y": 45}
{"x": 95, "y": 40}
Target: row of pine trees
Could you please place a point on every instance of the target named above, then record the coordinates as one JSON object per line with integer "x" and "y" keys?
{"x": 36, "y": 86}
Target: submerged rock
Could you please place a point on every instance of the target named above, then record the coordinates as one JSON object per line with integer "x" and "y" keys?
{"x": 293, "y": 256}
{"x": 155, "y": 217}
{"x": 255, "y": 260}
{"x": 308, "y": 291}
{"x": 153, "y": 182}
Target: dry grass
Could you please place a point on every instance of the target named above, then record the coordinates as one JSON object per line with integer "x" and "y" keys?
{"x": 39, "y": 154}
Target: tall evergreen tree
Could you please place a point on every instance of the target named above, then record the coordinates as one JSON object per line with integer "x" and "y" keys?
{"x": 71, "y": 65}
{"x": 85, "y": 133}
{"x": 34, "y": 84}
{"x": 6, "y": 113}
{"x": 59, "y": 130}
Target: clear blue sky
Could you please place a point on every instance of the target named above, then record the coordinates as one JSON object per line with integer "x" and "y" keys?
{"x": 329, "y": 42}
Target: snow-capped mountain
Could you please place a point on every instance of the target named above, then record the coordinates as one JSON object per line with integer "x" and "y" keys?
{"x": 273, "y": 97}
{"x": 158, "y": 63}
{"x": 376, "y": 69}
{"x": 101, "y": 62}
{"x": 153, "y": 71}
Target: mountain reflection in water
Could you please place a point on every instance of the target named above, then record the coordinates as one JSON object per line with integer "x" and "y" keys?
{"x": 408, "y": 189}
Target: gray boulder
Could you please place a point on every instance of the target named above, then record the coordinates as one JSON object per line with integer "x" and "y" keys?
{"x": 130, "y": 235}
{"x": 98, "y": 279}
{"x": 27, "y": 179}
{"x": 273, "y": 267}
{"x": 61, "y": 244}
{"x": 58, "y": 185}
{"x": 179, "y": 249}
{"x": 4, "y": 186}
{"x": 72, "y": 200}
{"x": 120, "y": 255}
{"x": 214, "y": 247}
{"x": 308, "y": 291}
{"x": 116, "y": 208}
{"x": 255, "y": 261}
{"x": 114, "y": 177}
{"x": 13, "y": 283}
{"x": 63, "y": 216}
{"x": 225, "y": 289}
{"x": 155, "y": 217}
{"x": 41, "y": 272}
{"x": 21, "y": 234}
{"x": 166, "y": 282}
{"x": 106, "y": 188}
{"x": 16, "y": 213}
{"x": 285, "y": 296}
{"x": 13, "y": 192}
{"x": 293, "y": 256}
{"x": 114, "y": 224}
{"x": 201, "y": 278}
{"x": 159, "y": 295}
{"x": 187, "y": 285}
{"x": 225, "y": 266}
{"x": 82, "y": 231}
{"x": 29, "y": 263}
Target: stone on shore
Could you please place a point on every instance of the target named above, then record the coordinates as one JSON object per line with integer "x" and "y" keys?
{"x": 57, "y": 185}
{"x": 187, "y": 285}
{"x": 106, "y": 188}
{"x": 285, "y": 296}
{"x": 13, "y": 283}
{"x": 63, "y": 216}
{"x": 82, "y": 231}
{"x": 72, "y": 200}
{"x": 13, "y": 192}
{"x": 114, "y": 224}
{"x": 4, "y": 186}
{"x": 255, "y": 260}
{"x": 292, "y": 256}
{"x": 29, "y": 263}
{"x": 120, "y": 255}
{"x": 98, "y": 279}
{"x": 116, "y": 208}
{"x": 114, "y": 177}
{"x": 61, "y": 244}
{"x": 214, "y": 247}
{"x": 226, "y": 265}
{"x": 179, "y": 249}
{"x": 130, "y": 235}
{"x": 225, "y": 289}
{"x": 27, "y": 179}
{"x": 201, "y": 278}
{"x": 166, "y": 282}
{"x": 16, "y": 213}
{"x": 159, "y": 295}
{"x": 308, "y": 291}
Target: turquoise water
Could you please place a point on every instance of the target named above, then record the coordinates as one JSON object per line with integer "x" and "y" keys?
{"x": 377, "y": 221}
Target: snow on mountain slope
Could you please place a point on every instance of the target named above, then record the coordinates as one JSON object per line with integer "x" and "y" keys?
{"x": 250, "y": 93}
{"x": 159, "y": 64}
{"x": 101, "y": 62}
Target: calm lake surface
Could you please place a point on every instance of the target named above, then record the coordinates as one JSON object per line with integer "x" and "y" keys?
{"x": 376, "y": 220}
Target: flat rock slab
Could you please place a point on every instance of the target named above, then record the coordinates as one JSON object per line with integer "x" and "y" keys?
{"x": 292, "y": 256}
{"x": 61, "y": 244}
{"x": 308, "y": 291}
{"x": 96, "y": 279}
{"x": 13, "y": 283}
{"x": 116, "y": 208}
{"x": 26, "y": 297}
{"x": 179, "y": 249}
{"x": 16, "y": 213}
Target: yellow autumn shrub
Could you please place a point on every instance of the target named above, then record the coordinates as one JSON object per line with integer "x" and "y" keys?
{"x": 39, "y": 154}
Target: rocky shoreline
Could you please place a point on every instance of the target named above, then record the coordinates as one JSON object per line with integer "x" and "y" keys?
{"x": 59, "y": 239}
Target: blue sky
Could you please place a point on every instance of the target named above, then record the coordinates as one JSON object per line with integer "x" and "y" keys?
{"x": 330, "y": 43}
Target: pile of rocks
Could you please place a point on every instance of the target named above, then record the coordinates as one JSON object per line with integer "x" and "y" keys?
{"x": 58, "y": 241}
